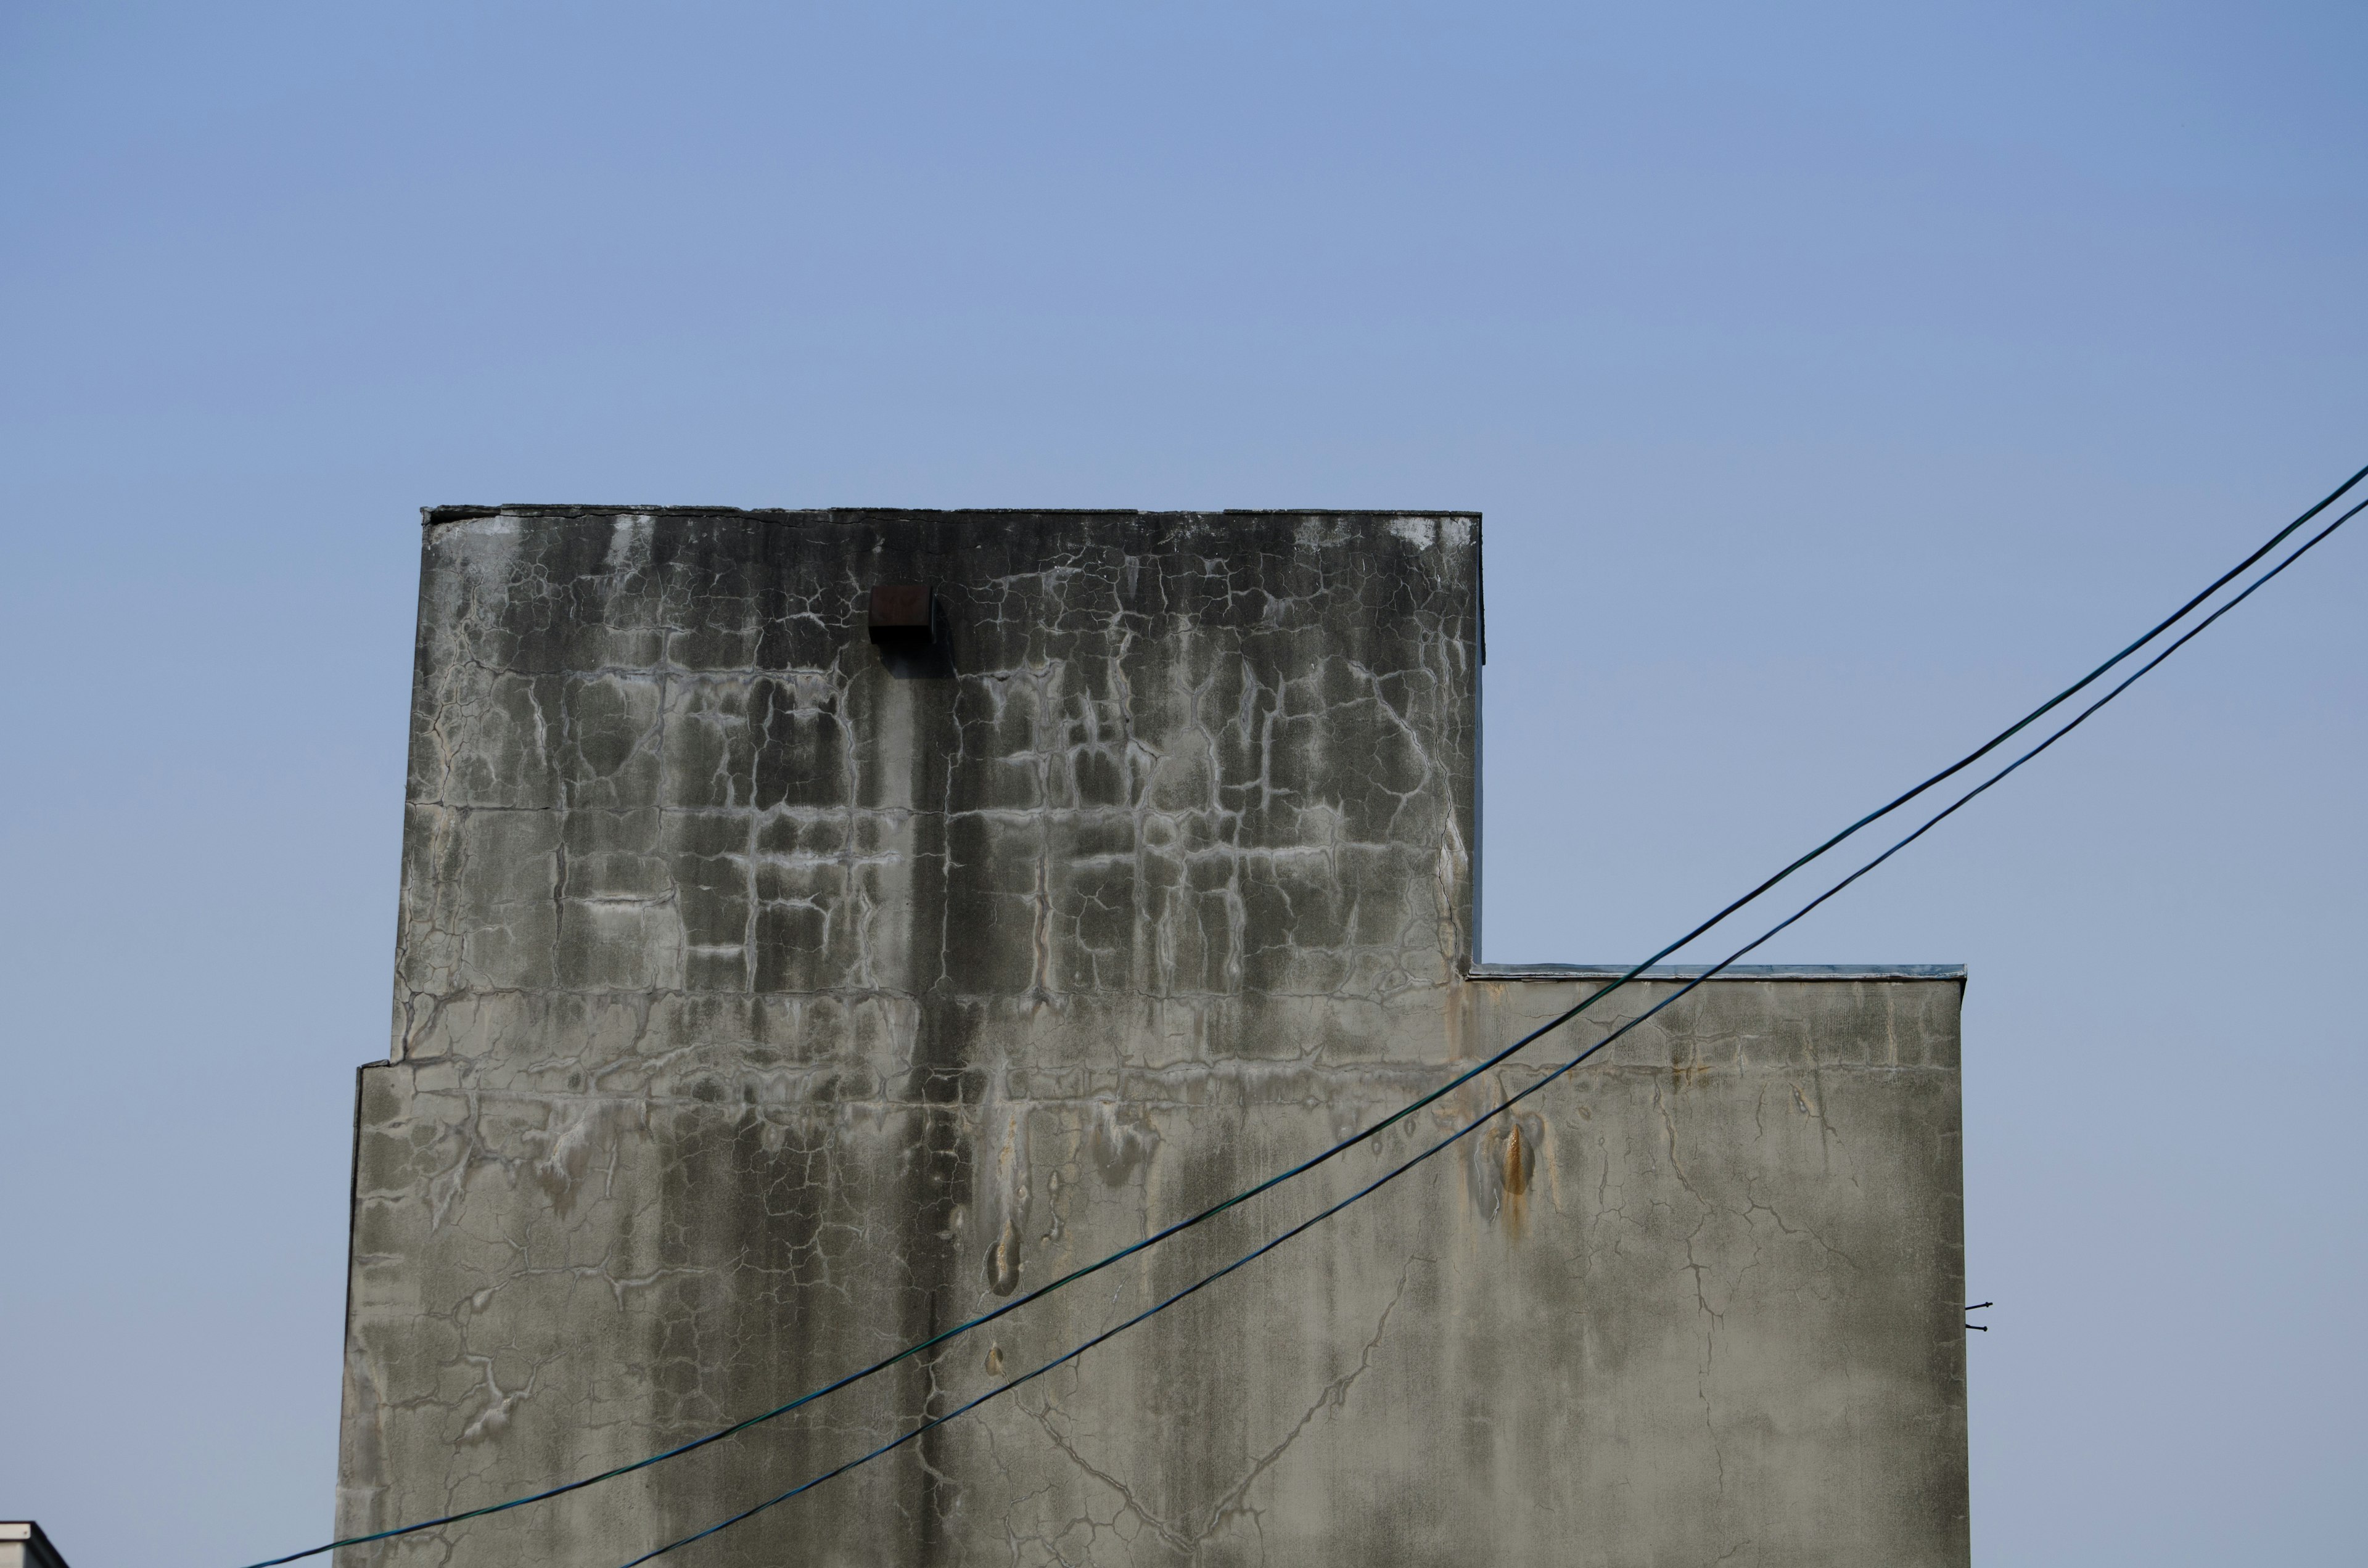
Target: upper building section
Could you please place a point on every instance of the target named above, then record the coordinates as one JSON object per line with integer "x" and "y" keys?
{"x": 692, "y": 754}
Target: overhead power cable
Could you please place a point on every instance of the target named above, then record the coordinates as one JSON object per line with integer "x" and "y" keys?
{"x": 933, "y": 1422}
{"x": 1189, "y": 1223}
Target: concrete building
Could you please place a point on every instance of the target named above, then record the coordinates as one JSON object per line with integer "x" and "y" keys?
{"x": 770, "y": 997}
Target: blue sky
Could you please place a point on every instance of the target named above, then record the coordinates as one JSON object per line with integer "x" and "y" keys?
{"x": 1836, "y": 380}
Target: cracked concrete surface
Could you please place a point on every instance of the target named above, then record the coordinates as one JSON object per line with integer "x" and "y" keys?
{"x": 766, "y": 1001}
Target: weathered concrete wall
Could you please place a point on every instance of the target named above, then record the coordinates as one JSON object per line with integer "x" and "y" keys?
{"x": 765, "y": 1002}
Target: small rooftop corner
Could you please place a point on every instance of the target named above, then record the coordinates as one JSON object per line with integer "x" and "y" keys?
{"x": 22, "y": 1545}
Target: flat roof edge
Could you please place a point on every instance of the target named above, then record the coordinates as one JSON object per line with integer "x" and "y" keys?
{"x": 430, "y": 517}
{"x": 1734, "y": 971}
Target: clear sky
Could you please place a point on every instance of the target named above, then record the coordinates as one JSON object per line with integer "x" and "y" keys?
{"x": 1836, "y": 380}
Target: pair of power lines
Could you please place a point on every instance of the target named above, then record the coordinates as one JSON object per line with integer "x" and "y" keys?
{"x": 922, "y": 1346}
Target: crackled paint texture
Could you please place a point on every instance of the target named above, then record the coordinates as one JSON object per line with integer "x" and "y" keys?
{"x": 766, "y": 1001}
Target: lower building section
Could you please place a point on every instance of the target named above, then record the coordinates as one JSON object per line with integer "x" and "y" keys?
{"x": 1698, "y": 1302}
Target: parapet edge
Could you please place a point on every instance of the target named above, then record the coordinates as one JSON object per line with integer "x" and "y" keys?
{"x": 431, "y": 517}
{"x": 1943, "y": 971}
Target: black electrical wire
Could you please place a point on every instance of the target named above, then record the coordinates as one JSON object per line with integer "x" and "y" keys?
{"x": 1349, "y": 1142}
{"x": 1511, "y": 1100}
